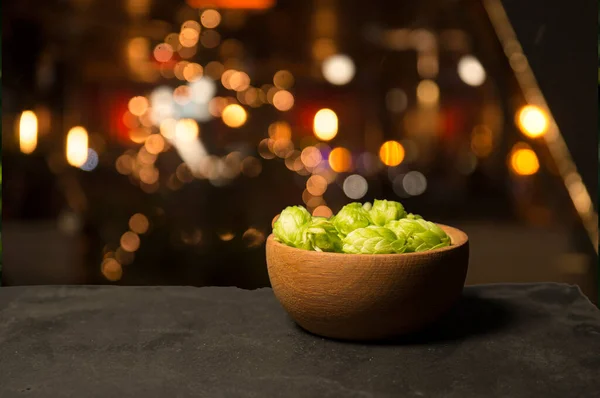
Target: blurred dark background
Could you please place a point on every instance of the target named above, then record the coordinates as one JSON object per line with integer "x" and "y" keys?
{"x": 153, "y": 141}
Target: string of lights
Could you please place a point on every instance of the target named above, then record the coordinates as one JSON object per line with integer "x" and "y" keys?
{"x": 551, "y": 134}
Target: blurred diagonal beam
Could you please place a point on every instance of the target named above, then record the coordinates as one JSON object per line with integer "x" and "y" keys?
{"x": 553, "y": 139}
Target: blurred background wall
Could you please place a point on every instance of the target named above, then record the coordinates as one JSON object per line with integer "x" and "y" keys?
{"x": 153, "y": 141}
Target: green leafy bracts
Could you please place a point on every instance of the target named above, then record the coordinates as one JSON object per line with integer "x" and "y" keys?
{"x": 320, "y": 235}
{"x": 420, "y": 235}
{"x": 288, "y": 227}
{"x": 382, "y": 228}
{"x": 373, "y": 240}
{"x": 384, "y": 211}
{"x": 351, "y": 217}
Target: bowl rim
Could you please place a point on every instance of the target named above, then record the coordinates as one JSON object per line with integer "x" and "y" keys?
{"x": 461, "y": 239}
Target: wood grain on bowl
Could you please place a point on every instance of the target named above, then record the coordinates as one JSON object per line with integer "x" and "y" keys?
{"x": 367, "y": 296}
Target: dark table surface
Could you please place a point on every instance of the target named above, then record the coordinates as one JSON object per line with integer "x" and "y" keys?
{"x": 534, "y": 340}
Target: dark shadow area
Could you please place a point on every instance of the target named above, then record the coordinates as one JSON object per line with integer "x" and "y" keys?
{"x": 471, "y": 316}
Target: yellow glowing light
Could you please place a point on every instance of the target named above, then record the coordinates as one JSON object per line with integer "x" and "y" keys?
{"x": 532, "y": 121}
{"x": 325, "y": 124}
{"x": 28, "y": 132}
{"x": 340, "y": 160}
{"x": 316, "y": 185}
{"x": 524, "y": 161}
{"x": 234, "y": 115}
{"x": 322, "y": 211}
{"x": 186, "y": 130}
{"x": 428, "y": 92}
{"x": 138, "y": 105}
{"x": 139, "y": 223}
{"x": 210, "y": 19}
{"x": 283, "y": 100}
{"x": 130, "y": 241}
{"x": 338, "y": 69}
{"x": 77, "y": 146}
{"x": 253, "y": 237}
{"x": 391, "y": 153}
{"x": 163, "y": 52}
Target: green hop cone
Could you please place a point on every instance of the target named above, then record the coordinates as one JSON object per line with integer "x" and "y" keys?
{"x": 411, "y": 216}
{"x": 373, "y": 240}
{"x": 288, "y": 227}
{"x": 367, "y": 206}
{"x": 320, "y": 235}
{"x": 351, "y": 217}
{"x": 384, "y": 211}
{"x": 420, "y": 235}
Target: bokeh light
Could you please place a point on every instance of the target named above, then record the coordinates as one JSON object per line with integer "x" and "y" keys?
{"x": 234, "y": 115}
{"x": 471, "y": 71}
{"x": 523, "y": 160}
{"x": 322, "y": 211}
{"x": 111, "y": 269}
{"x": 155, "y": 144}
{"x": 192, "y": 71}
{"x": 428, "y": 92}
{"x": 338, "y": 69}
{"x": 311, "y": 157}
{"x": 325, "y": 124}
{"x": 391, "y": 153}
{"x": 532, "y": 121}
{"x": 355, "y": 186}
{"x": 252, "y": 237}
{"x": 139, "y": 223}
{"x": 91, "y": 162}
{"x": 186, "y": 130}
{"x": 396, "y": 100}
{"x": 316, "y": 185}
{"x": 414, "y": 183}
{"x": 138, "y": 105}
{"x": 130, "y": 241}
{"x": 340, "y": 160}
{"x": 283, "y": 100}
{"x": 28, "y": 132}
{"x": 163, "y": 52}
{"x": 210, "y": 18}
{"x": 283, "y": 79}
{"x": 77, "y": 146}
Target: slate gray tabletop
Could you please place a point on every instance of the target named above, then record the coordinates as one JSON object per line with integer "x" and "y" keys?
{"x": 530, "y": 340}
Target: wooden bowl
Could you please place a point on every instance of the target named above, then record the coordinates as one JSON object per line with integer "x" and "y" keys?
{"x": 367, "y": 296}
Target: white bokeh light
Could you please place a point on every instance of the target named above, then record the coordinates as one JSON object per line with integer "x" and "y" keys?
{"x": 355, "y": 186}
{"x": 414, "y": 183}
{"x": 92, "y": 161}
{"x": 471, "y": 71}
{"x": 338, "y": 69}
{"x": 203, "y": 90}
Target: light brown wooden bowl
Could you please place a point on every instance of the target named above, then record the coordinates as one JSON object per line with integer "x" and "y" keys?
{"x": 367, "y": 296}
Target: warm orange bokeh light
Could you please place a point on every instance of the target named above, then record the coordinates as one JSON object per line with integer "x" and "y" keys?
{"x": 391, "y": 153}
{"x": 524, "y": 161}
{"x": 340, "y": 160}
{"x": 322, "y": 211}
{"x": 28, "y": 132}
{"x": 234, "y": 115}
